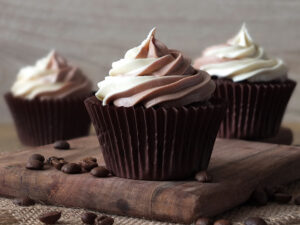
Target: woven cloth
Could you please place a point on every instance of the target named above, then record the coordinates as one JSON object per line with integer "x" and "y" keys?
{"x": 273, "y": 213}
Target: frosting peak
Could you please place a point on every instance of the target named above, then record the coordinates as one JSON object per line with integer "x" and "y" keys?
{"x": 241, "y": 59}
{"x": 151, "y": 74}
{"x": 152, "y": 57}
{"x": 149, "y": 48}
{"x": 50, "y": 77}
{"x": 242, "y": 39}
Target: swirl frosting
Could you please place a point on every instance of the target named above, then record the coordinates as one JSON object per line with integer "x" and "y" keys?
{"x": 151, "y": 74}
{"x": 241, "y": 59}
{"x": 51, "y": 77}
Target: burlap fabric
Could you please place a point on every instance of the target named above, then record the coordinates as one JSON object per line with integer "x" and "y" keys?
{"x": 274, "y": 214}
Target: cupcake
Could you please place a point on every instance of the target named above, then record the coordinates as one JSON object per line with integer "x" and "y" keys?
{"x": 255, "y": 86}
{"x": 46, "y": 101}
{"x": 154, "y": 115}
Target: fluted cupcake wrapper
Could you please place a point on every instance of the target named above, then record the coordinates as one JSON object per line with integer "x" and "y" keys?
{"x": 40, "y": 122}
{"x": 255, "y": 110}
{"x": 156, "y": 143}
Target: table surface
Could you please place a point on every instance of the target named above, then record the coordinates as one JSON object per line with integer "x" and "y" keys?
{"x": 9, "y": 141}
{"x": 290, "y": 214}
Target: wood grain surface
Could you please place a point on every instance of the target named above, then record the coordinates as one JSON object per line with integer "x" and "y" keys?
{"x": 232, "y": 167}
{"x": 92, "y": 34}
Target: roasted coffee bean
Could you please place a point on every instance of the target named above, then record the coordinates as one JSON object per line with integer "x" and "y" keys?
{"x": 255, "y": 221}
{"x": 88, "y": 165}
{"x": 104, "y": 220}
{"x": 87, "y": 159}
{"x": 37, "y": 157}
{"x": 259, "y": 197}
{"x": 282, "y": 198}
{"x": 222, "y": 222}
{"x": 88, "y": 218}
{"x": 55, "y": 158}
{"x": 99, "y": 171}
{"x": 50, "y": 217}
{"x": 203, "y": 177}
{"x": 34, "y": 164}
{"x": 58, "y": 164}
{"x": 25, "y": 201}
{"x": 204, "y": 221}
{"x": 297, "y": 200}
{"x": 50, "y": 159}
{"x": 71, "y": 168}
{"x": 62, "y": 145}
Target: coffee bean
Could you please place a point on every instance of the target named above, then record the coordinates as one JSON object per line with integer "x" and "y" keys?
{"x": 204, "y": 221}
{"x": 297, "y": 200}
{"x": 259, "y": 197}
{"x": 255, "y": 221}
{"x": 222, "y": 222}
{"x": 58, "y": 164}
{"x": 99, "y": 171}
{"x": 88, "y": 165}
{"x": 62, "y": 145}
{"x": 203, "y": 177}
{"x": 88, "y": 218}
{"x": 38, "y": 157}
{"x": 87, "y": 159}
{"x": 25, "y": 201}
{"x": 71, "y": 168}
{"x": 104, "y": 220}
{"x": 282, "y": 198}
{"x": 50, "y": 159}
{"x": 50, "y": 217}
{"x": 34, "y": 164}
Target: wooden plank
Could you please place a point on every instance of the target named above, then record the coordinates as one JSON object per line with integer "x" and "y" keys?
{"x": 93, "y": 34}
{"x": 237, "y": 167}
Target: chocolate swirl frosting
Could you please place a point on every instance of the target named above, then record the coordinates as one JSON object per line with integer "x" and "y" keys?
{"x": 151, "y": 74}
{"x": 51, "y": 77}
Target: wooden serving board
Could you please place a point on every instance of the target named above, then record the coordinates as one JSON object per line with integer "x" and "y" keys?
{"x": 237, "y": 167}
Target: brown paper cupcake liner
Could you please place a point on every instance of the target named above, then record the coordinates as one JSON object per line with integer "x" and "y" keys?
{"x": 40, "y": 122}
{"x": 156, "y": 143}
{"x": 255, "y": 110}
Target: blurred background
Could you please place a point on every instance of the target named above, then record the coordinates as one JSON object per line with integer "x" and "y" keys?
{"x": 92, "y": 34}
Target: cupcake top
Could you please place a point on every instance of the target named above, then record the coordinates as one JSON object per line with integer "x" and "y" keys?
{"x": 51, "y": 78}
{"x": 151, "y": 74}
{"x": 241, "y": 59}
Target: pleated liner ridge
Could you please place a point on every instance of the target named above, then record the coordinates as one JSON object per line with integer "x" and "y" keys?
{"x": 156, "y": 143}
{"x": 40, "y": 122}
{"x": 255, "y": 110}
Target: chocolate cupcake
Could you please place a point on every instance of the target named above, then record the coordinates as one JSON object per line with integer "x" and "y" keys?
{"x": 46, "y": 101}
{"x": 255, "y": 86}
{"x": 154, "y": 116}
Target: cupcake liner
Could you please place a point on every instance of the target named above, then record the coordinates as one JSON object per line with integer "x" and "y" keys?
{"x": 255, "y": 110}
{"x": 156, "y": 143}
{"x": 40, "y": 122}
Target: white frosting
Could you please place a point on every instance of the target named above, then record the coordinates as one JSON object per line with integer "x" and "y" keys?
{"x": 130, "y": 64}
{"x": 243, "y": 60}
{"x": 112, "y": 85}
{"x": 32, "y": 80}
